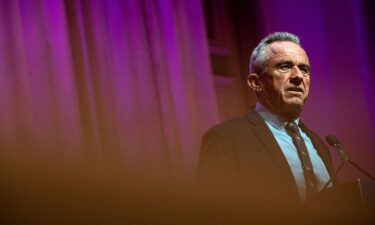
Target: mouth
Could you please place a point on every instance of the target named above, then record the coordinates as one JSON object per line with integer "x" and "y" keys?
{"x": 295, "y": 90}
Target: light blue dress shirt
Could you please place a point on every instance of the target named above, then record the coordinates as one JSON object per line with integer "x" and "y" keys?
{"x": 277, "y": 126}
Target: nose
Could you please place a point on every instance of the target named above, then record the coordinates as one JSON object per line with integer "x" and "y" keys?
{"x": 296, "y": 76}
{"x": 296, "y": 71}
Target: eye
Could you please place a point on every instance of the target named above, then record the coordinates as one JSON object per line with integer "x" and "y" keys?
{"x": 304, "y": 70}
{"x": 284, "y": 68}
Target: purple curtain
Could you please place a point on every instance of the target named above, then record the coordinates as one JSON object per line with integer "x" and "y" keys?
{"x": 123, "y": 81}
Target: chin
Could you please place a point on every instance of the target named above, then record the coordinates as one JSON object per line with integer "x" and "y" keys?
{"x": 296, "y": 102}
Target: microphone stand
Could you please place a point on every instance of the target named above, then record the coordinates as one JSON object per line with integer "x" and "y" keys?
{"x": 334, "y": 175}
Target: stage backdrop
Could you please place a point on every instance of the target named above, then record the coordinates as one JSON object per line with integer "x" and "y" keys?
{"x": 103, "y": 103}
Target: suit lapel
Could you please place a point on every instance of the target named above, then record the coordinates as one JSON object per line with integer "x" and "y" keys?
{"x": 265, "y": 136}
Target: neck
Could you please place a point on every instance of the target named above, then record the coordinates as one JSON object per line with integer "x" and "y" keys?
{"x": 288, "y": 113}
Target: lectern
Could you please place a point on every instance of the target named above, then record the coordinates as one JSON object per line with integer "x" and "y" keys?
{"x": 349, "y": 203}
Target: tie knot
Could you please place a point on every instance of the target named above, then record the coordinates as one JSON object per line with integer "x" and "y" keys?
{"x": 292, "y": 127}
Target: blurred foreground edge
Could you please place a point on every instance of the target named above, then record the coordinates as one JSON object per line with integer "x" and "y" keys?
{"x": 349, "y": 203}
{"x": 48, "y": 192}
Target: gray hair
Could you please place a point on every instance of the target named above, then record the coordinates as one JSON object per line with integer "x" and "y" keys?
{"x": 258, "y": 56}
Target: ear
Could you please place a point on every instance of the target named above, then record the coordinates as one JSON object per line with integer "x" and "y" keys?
{"x": 254, "y": 82}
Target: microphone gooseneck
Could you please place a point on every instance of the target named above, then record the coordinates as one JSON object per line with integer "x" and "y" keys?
{"x": 334, "y": 142}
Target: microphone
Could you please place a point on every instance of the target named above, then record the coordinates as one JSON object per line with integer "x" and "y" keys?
{"x": 334, "y": 142}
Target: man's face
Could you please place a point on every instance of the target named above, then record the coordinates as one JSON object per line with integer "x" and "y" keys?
{"x": 286, "y": 78}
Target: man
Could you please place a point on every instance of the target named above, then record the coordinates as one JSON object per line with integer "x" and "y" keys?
{"x": 265, "y": 153}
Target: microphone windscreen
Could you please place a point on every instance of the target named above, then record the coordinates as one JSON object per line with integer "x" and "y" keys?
{"x": 332, "y": 140}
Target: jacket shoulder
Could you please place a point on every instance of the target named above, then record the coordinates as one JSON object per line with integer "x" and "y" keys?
{"x": 231, "y": 125}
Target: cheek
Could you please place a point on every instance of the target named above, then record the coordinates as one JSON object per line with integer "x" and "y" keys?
{"x": 307, "y": 84}
{"x": 278, "y": 86}
{"x": 281, "y": 84}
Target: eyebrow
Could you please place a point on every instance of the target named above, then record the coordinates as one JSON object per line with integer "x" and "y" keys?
{"x": 284, "y": 62}
{"x": 289, "y": 62}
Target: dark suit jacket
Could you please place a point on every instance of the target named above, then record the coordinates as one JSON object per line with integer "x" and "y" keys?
{"x": 243, "y": 154}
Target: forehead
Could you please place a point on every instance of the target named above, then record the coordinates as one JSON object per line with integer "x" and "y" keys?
{"x": 286, "y": 50}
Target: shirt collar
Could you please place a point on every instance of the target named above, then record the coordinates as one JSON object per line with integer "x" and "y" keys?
{"x": 275, "y": 120}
